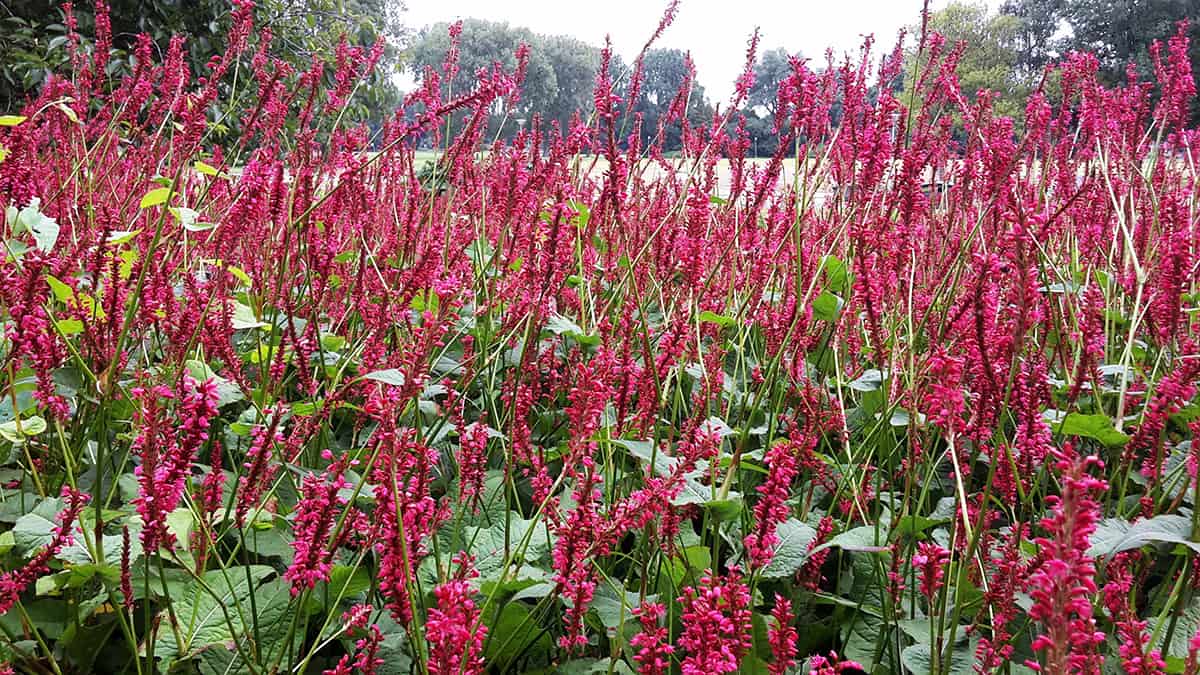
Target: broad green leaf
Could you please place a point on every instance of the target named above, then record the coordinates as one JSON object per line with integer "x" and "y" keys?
{"x": 720, "y": 319}
{"x": 918, "y": 660}
{"x": 861, "y": 639}
{"x": 212, "y": 618}
{"x": 1114, "y": 535}
{"x": 613, "y": 610}
{"x": 595, "y": 667}
{"x": 561, "y": 325}
{"x": 17, "y": 431}
{"x": 208, "y": 170}
{"x": 870, "y": 380}
{"x": 190, "y": 219}
{"x": 724, "y": 510}
{"x": 394, "y": 649}
{"x": 837, "y": 277}
{"x": 78, "y": 554}
{"x": 861, "y": 539}
{"x": 390, "y": 376}
{"x": 1185, "y": 626}
{"x": 236, "y": 271}
{"x": 792, "y": 549}
{"x": 227, "y": 390}
{"x": 31, "y": 219}
{"x": 50, "y": 615}
{"x": 62, "y": 292}
{"x": 271, "y": 542}
{"x": 523, "y": 578}
{"x": 515, "y": 631}
{"x": 826, "y": 306}
{"x": 155, "y": 197}
{"x": 244, "y": 317}
{"x": 69, "y": 326}
{"x": 273, "y": 602}
{"x": 122, "y": 236}
{"x": 1096, "y": 426}
{"x": 348, "y": 581}
{"x": 35, "y": 529}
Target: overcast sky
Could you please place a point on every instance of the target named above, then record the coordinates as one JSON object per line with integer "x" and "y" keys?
{"x": 715, "y": 32}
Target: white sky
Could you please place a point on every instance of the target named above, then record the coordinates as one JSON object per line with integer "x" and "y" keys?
{"x": 715, "y": 32}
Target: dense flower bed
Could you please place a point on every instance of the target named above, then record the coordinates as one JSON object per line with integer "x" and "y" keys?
{"x": 890, "y": 401}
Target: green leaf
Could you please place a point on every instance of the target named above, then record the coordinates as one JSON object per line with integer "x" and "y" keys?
{"x": 236, "y": 271}
{"x": 78, "y": 554}
{"x": 644, "y": 450}
{"x": 155, "y": 197}
{"x": 870, "y": 380}
{"x": 273, "y": 602}
{"x": 121, "y": 236}
{"x": 62, "y": 292}
{"x": 48, "y": 614}
{"x": 918, "y": 660}
{"x": 227, "y": 390}
{"x": 69, "y": 326}
{"x": 724, "y": 510}
{"x": 43, "y": 228}
{"x": 837, "y": 277}
{"x": 1114, "y": 535}
{"x": 595, "y": 667}
{"x": 390, "y": 376}
{"x": 35, "y": 529}
{"x": 1096, "y": 427}
{"x": 202, "y": 614}
{"x": 859, "y": 539}
{"x": 1185, "y": 626}
{"x": 11, "y": 120}
{"x": 515, "y": 631}
{"x": 720, "y": 319}
{"x": 208, "y": 170}
{"x": 348, "y": 581}
{"x": 561, "y": 325}
{"x": 583, "y": 213}
{"x": 394, "y": 649}
{"x": 190, "y": 219}
{"x": 244, "y": 317}
{"x": 525, "y": 581}
{"x": 16, "y": 431}
{"x": 612, "y": 610}
{"x": 826, "y": 306}
{"x": 792, "y": 549}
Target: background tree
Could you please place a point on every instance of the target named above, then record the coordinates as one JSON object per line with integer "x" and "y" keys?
{"x": 575, "y": 63}
{"x": 481, "y": 44}
{"x": 770, "y": 71}
{"x": 664, "y": 72}
{"x": 33, "y": 37}
{"x": 1039, "y": 24}
{"x": 989, "y": 58}
{"x": 1119, "y": 32}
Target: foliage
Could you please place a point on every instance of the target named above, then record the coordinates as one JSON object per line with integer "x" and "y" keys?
{"x": 33, "y": 38}
{"x": 990, "y": 54}
{"x": 1118, "y": 32}
{"x": 560, "y": 405}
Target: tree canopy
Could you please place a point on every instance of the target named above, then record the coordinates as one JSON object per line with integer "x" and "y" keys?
{"x": 33, "y": 40}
